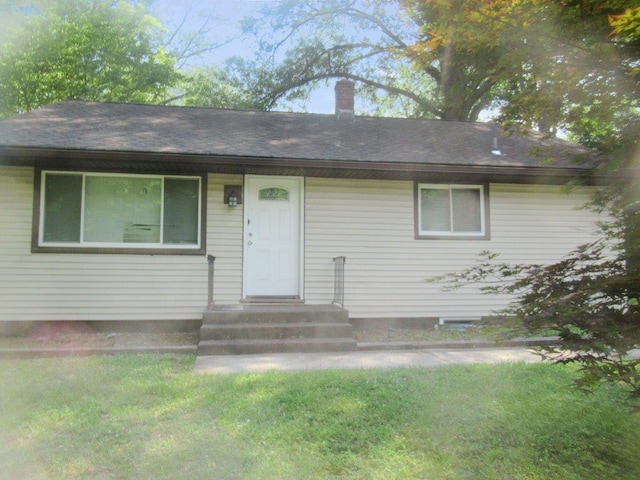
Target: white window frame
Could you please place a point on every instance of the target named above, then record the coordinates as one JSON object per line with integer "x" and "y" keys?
{"x": 120, "y": 246}
{"x": 483, "y": 189}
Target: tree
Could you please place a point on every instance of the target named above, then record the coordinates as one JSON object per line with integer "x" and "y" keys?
{"x": 533, "y": 60}
{"x": 469, "y": 47}
{"x": 101, "y": 50}
{"x": 576, "y": 80}
{"x": 626, "y": 26}
{"x": 590, "y": 298}
{"x": 369, "y": 42}
{"x": 215, "y": 88}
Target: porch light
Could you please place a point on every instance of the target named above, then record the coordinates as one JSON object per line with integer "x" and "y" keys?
{"x": 233, "y": 199}
{"x": 233, "y": 195}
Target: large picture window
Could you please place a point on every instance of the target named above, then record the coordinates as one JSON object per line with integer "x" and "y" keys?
{"x": 451, "y": 211}
{"x": 91, "y": 210}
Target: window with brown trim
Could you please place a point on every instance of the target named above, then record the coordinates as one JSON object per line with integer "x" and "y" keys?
{"x": 452, "y": 211}
{"x": 80, "y": 211}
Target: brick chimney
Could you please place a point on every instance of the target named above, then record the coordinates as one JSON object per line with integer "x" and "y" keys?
{"x": 344, "y": 99}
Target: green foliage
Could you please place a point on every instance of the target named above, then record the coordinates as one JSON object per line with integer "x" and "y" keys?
{"x": 626, "y": 28}
{"x": 540, "y": 64}
{"x": 306, "y": 43}
{"x": 150, "y": 417}
{"x": 573, "y": 79}
{"x": 473, "y": 46}
{"x": 589, "y": 299}
{"x": 91, "y": 50}
{"x": 216, "y": 88}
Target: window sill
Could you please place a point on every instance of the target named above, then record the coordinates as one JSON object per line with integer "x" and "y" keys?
{"x": 453, "y": 237}
{"x": 118, "y": 251}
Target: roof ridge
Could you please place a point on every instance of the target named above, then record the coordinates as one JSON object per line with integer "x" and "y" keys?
{"x": 257, "y": 111}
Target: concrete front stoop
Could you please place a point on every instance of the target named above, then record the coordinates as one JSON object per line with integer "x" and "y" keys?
{"x": 275, "y": 328}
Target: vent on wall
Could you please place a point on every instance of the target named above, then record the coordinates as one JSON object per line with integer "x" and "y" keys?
{"x": 458, "y": 323}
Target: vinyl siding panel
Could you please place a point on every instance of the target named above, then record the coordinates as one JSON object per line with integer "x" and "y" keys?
{"x": 372, "y": 223}
{"x": 42, "y": 286}
{"x": 224, "y": 240}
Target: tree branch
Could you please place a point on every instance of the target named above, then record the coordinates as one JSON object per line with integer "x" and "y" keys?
{"x": 277, "y": 94}
{"x": 376, "y": 21}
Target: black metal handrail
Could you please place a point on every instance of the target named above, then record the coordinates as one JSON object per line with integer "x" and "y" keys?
{"x": 210, "y": 260}
{"x": 338, "y": 280}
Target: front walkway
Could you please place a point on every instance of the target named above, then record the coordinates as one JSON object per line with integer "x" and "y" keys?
{"x": 293, "y": 362}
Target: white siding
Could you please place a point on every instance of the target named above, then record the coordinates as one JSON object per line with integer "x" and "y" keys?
{"x": 224, "y": 240}
{"x": 40, "y": 286}
{"x": 372, "y": 223}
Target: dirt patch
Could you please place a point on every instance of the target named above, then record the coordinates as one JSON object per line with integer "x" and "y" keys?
{"x": 474, "y": 333}
{"x": 79, "y": 335}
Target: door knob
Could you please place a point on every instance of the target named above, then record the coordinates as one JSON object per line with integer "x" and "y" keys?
{"x": 250, "y": 242}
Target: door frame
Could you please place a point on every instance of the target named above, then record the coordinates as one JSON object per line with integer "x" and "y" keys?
{"x": 301, "y": 235}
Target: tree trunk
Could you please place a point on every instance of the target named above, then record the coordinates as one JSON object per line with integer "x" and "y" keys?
{"x": 632, "y": 238}
{"x": 452, "y": 87}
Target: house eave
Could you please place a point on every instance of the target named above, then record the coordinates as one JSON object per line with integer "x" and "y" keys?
{"x": 394, "y": 170}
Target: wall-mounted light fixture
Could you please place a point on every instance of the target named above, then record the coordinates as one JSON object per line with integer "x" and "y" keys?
{"x": 233, "y": 195}
{"x": 232, "y": 201}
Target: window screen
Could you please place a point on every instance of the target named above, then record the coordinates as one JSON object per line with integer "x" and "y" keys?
{"x": 436, "y": 210}
{"x": 465, "y": 210}
{"x": 62, "y": 207}
{"x": 456, "y": 210}
{"x": 181, "y": 211}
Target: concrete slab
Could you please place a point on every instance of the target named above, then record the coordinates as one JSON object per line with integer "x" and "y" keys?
{"x": 294, "y": 362}
{"x": 487, "y": 355}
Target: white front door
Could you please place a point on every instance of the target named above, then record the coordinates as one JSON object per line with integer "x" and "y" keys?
{"x": 272, "y": 236}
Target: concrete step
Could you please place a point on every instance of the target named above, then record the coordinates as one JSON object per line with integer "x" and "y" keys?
{"x": 249, "y": 347}
{"x": 275, "y": 328}
{"x": 264, "y": 314}
{"x": 259, "y": 331}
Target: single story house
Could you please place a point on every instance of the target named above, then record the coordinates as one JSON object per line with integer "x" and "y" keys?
{"x": 115, "y": 211}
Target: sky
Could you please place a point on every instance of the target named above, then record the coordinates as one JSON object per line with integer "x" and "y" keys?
{"x": 224, "y": 29}
{"x": 224, "y": 25}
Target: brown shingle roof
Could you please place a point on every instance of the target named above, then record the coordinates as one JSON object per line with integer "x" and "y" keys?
{"x": 306, "y": 138}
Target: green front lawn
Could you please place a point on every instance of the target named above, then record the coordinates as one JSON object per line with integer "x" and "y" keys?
{"x": 150, "y": 417}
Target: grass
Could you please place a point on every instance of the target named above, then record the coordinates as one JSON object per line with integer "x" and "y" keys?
{"x": 150, "y": 417}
